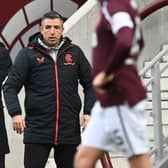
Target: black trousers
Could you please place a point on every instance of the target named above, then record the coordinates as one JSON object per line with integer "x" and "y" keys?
{"x": 2, "y": 160}
{"x": 36, "y": 155}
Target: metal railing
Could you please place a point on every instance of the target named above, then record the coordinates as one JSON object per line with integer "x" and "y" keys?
{"x": 160, "y": 142}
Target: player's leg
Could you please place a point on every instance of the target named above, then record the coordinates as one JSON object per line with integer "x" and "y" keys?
{"x": 87, "y": 157}
{"x": 140, "y": 161}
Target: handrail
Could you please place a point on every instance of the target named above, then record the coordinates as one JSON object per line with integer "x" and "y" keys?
{"x": 160, "y": 141}
{"x": 156, "y": 59}
{"x": 153, "y": 8}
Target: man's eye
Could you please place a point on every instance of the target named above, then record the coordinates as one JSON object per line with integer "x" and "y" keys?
{"x": 48, "y": 27}
{"x": 57, "y": 27}
{"x": 54, "y": 27}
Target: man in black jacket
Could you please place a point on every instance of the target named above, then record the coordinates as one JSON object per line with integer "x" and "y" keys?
{"x": 5, "y": 63}
{"x": 50, "y": 69}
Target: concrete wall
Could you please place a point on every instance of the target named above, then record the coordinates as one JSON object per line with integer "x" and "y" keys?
{"x": 155, "y": 34}
{"x": 80, "y": 26}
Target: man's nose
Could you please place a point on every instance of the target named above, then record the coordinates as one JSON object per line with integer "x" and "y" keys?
{"x": 52, "y": 30}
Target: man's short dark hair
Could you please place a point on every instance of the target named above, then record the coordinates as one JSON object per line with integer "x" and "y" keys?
{"x": 52, "y": 15}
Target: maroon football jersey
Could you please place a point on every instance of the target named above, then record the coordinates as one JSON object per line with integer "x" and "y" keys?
{"x": 117, "y": 43}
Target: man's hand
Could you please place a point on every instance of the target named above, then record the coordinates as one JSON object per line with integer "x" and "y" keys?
{"x": 18, "y": 123}
{"x": 85, "y": 120}
{"x": 101, "y": 81}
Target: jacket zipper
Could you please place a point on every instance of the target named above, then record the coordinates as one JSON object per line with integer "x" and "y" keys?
{"x": 57, "y": 104}
{"x": 57, "y": 96}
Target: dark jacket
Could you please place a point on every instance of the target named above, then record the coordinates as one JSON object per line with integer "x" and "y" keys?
{"x": 52, "y": 102}
{"x": 5, "y": 63}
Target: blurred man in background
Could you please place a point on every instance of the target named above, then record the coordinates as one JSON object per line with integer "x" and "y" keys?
{"x": 5, "y": 63}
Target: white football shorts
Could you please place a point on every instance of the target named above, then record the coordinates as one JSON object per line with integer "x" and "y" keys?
{"x": 117, "y": 128}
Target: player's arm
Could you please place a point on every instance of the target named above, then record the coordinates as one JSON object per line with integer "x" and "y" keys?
{"x": 116, "y": 59}
{"x": 122, "y": 28}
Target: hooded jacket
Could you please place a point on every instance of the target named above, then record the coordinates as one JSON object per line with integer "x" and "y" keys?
{"x": 52, "y": 103}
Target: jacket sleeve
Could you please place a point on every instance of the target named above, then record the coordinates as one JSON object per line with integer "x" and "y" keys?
{"x": 14, "y": 83}
{"x": 5, "y": 63}
{"x": 85, "y": 77}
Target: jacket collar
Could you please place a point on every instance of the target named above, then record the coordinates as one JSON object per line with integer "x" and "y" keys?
{"x": 42, "y": 44}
